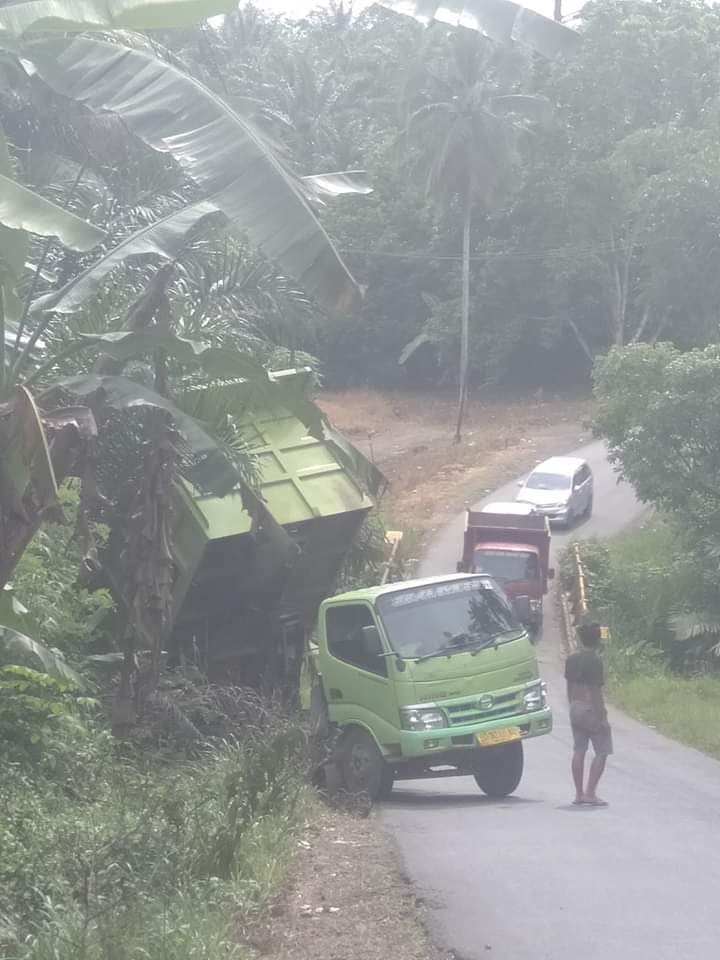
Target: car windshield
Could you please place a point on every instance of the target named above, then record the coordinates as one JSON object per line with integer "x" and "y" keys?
{"x": 547, "y": 481}
{"x": 446, "y": 618}
{"x": 506, "y": 565}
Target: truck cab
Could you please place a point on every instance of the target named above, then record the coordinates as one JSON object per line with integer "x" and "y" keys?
{"x": 512, "y": 547}
{"x": 428, "y": 678}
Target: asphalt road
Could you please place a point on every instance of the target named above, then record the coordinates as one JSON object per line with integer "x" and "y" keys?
{"x": 534, "y": 878}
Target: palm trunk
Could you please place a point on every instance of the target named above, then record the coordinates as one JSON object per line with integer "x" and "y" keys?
{"x": 464, "y": 324}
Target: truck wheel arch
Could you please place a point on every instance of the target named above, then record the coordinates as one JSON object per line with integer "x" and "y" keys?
{"x": 347, "y": 728}
{"x": 319, "y": 714}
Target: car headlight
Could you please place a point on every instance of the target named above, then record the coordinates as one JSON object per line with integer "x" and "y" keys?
{"x": 535, "y": 697}
{"x": 422, "y": 718}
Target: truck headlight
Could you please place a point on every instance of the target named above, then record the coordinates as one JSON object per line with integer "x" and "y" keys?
{"x": 535, "y": 697}
{"x": 535, "y": 605}
{"x": 422, "y": 718}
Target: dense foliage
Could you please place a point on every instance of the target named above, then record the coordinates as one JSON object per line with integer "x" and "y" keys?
{"x": 659, "y": 409}
{"x": 604, "y": 232}
{"x": 105, "y": 855}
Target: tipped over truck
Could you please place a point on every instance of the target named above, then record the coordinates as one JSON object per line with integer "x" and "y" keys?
{"x": 252, "y": 567}
{"x": 408, "y": 680}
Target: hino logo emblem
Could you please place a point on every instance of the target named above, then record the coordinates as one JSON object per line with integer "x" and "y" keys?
{"x": 484, "y": 703}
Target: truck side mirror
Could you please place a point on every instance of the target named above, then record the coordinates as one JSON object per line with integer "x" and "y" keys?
{"x": 372, "y": 644}
{"x": 521, "y": 606}
{"x": 551, "y": 573}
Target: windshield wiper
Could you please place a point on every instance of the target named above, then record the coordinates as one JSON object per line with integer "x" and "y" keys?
{"x": 476, "y": 644}
{"x": 493, "y": 640}
{"x": 456, "y": 643}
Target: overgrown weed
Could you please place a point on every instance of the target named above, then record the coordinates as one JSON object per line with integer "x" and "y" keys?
{"x": 103, "y": 857}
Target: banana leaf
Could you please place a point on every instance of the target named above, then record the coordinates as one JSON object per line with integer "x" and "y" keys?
{"x": 22, "y": 209}
{"x": 209, "y": 469}
{"x": 499, "y": 20}
{"x": 217, "y": 362}
{"x": 25, "y": 464}
{"x": 20, "y": 650}
{"x": 214, "y": 144}
{"x": 165, "y": 238}
{"x": 13, "y": 613}
{"x": 33, "y": 16}
{"x": 339, "y": 184}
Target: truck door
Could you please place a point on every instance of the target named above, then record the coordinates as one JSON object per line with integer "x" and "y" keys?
{"x": 355, "y": 672}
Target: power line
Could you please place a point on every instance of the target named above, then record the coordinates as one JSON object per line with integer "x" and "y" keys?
{"x": 565, "y": 253}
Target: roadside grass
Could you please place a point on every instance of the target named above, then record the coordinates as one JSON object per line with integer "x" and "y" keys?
{"x": 684, "y": 708}
{"x": 110, "y": 856}
{"x": 640, "y": 578}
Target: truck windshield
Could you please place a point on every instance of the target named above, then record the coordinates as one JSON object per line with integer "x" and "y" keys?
{"x": 506, "y": 565}
{"x": 446, "y": 618}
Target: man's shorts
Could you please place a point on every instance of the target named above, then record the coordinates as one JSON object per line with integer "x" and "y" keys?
{"x": 587, "y": 729}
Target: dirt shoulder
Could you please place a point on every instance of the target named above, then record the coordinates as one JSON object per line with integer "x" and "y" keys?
{"x": 346, "y": 899}
{"x": 410, "y": 437}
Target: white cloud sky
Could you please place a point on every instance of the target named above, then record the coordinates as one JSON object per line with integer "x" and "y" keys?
{"x": 299, "y": 8}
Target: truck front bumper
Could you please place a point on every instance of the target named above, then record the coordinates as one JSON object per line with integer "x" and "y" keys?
{"x": 426, "y": 744}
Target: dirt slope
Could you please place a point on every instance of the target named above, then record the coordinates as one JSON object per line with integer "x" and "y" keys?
{"x": 410, "y": 436}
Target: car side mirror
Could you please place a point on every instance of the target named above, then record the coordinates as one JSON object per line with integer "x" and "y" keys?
{"x": 372, "y": 644}
{"x": 551, "y": 573}
{"x": 520, "y": 483}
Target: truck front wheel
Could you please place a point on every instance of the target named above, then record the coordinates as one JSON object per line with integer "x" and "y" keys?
{"x": 363, "y": 767}
{"x": 499, "y": 769}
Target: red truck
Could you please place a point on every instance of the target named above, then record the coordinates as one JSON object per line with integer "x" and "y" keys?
{"x": 513, "y": 549}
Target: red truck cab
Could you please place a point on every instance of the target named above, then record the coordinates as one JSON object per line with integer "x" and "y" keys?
{"x": 513, "y": 549}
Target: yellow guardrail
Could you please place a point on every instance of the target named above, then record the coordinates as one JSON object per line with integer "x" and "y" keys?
{"x": 579, "y": 597}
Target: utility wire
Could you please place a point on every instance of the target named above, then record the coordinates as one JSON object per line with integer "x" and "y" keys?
{"x": 565, "y": 253}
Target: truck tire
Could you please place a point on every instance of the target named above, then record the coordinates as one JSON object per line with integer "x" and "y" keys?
{"x": 500, "y": 769}
{"x": 362, "y": 764}
{"x": 388, "y": 782}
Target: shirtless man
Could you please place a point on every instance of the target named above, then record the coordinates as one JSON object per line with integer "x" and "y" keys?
{"x": 588, "y": 717}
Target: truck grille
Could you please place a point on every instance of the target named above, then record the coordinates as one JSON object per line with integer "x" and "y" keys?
{"x": 470, "y": 711}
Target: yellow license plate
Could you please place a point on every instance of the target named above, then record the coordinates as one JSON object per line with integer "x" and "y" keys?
{"x": 493, "y": 737}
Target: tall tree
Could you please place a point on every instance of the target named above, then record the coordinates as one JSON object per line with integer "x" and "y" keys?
{"x": 464, "y": 139}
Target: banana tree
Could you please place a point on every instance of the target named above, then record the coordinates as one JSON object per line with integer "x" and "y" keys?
{"x": 27, "y": 17}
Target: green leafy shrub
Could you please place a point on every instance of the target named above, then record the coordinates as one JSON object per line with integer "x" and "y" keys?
{"x": 31, "y": 703}
{"x": 108, "y": 853}
{"x": 60, "y": 612}
{"x": 647, "y": 580}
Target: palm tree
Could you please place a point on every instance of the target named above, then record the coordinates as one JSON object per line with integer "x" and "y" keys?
{"x": 464, "y": 138}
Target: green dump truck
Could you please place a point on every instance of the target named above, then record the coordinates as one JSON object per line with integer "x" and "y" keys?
{"x": 426, "y": 678}
{"x": 253, "y": 566}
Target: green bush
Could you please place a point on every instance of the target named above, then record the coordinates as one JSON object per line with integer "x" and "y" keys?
{"x": 62, "y": 614}
{"x": 106, "y": 854}
{"x": 31, "y": 706}
{"x": 646, "y": 579}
